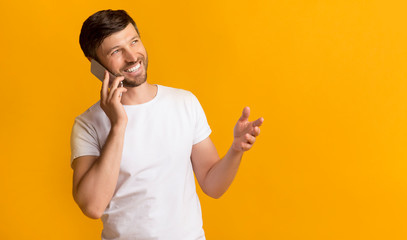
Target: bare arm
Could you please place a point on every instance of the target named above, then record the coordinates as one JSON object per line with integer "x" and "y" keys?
{"x": 95, "y": 178}
{"x": 215, "y": 175}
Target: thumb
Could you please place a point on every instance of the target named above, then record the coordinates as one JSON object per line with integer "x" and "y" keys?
{"x": 245, "y": 114}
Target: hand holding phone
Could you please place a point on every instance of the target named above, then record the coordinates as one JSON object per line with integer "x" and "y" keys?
{"x": 110, "y": 99}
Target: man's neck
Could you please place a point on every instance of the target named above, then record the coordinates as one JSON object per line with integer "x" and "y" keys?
{"x": 140, "y": 94}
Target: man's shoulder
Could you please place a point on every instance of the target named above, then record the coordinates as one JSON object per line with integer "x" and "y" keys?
{"x": 92, "y": 113}
{"x": 175, "y": 92}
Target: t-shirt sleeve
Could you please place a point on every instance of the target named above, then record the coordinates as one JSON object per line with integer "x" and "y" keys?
{"x": 83, "y": 140}
{"x": 202, "y": 129}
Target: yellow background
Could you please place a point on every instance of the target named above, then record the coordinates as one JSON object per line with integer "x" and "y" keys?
{"x": 329, "y": 77}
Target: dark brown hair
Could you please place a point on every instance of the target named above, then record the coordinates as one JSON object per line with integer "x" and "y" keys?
{"x": 101, "y": 25}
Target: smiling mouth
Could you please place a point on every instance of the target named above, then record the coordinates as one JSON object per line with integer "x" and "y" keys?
{"x": 133, "y": 69}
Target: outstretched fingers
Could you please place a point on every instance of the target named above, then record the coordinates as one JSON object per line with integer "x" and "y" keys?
{"x": 245, "y": 132}
{"x": 245, "y": 114}
{"x": 258, "y": 122}
{"x": 255, "y": 131}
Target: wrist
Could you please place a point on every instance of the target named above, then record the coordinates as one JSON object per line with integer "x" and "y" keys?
{"x": 119, "y": 126}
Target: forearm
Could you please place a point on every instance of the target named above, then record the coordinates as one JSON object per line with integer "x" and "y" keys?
{"x": 95, "y": 189}
{"x": 221, "y": 175}
{"x": 216, "y": 175}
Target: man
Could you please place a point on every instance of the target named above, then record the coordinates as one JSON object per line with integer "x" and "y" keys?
{"x": 135, "y": 152}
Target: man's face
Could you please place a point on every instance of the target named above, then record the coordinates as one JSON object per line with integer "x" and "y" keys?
{"x": 123, "y": 54}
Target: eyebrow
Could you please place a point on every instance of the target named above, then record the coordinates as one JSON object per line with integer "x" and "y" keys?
{"x": 131, "y": 39}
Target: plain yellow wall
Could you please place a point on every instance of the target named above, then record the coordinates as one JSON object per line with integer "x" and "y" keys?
{"x": 329, "y": 77}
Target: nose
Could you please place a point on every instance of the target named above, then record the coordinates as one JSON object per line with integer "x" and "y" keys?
{"x": 130, "y": 56}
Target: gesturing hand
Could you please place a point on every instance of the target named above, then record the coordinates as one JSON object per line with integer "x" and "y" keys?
{"x": 245, "y": 132}
{"x": 110, "y": 100}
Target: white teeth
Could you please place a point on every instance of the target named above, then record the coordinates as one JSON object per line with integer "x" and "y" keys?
{"x": 133, "y": 69}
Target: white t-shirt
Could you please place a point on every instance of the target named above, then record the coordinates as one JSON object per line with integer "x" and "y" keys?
{"x": 155, "y": 196}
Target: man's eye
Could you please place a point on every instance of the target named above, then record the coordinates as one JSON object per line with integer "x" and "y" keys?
{"x": 115, "y": 51}
{"x": 134, "y": 42}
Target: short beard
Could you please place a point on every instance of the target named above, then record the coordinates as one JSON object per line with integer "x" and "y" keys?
{"x": 138, "y": 82}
